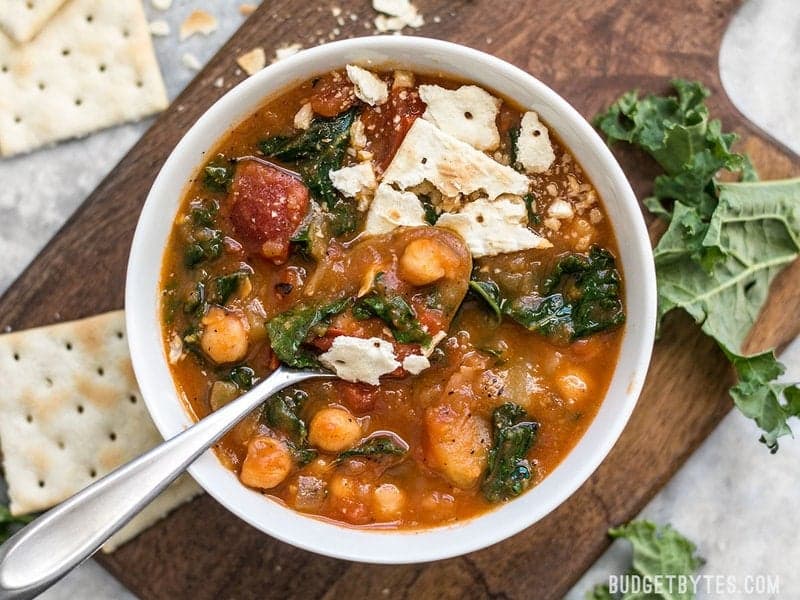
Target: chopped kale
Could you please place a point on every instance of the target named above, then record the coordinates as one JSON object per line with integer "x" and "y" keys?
{"x": 394, "y": 311}
{"x": 204, "y": 213}
{"x": 376, "y": 447}
{"x": 316, "y": 152}
{"x": 513, "y": 137}
{"x": 195, "y": 301}
{"x": 218, "y": 174}
{"x": 581, "y": 296}
{"x": 191, "y": 338}
{"x": 281, "y": 413}
{"x": 10, "y": 524}
{"x": 242, "y": 376}
{"x": 509, "y": 472}
{"x": 226, "y": 285}
{"x": 204, "y": 244}
{"x": 431, "y": 215}
{"x": 533, "y": 216}
{"x": 289, "y": 330}
{"x": 489, "y": 293}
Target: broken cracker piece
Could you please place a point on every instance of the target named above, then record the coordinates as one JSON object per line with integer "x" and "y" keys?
{"x": 253, "y": 61}
{"x": 286, "y": 51}
{"x": 190, "y": 61}
{"x": 23, "y": 20}
{"x": 199, "y": 21}
{"x": 247, "y": 9}
{"x": 159, "y": 27}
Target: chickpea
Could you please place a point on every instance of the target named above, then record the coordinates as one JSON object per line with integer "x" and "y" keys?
{"x": 333, "y": 430}
{"x": 267, "y": 464}
{"x": 224, "y": 338}
{"x": 425, "y": 261}
{"x": 573, "y": 383}
{"x": 388, "y": 502}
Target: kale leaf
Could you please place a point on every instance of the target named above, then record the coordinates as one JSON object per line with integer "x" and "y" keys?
{"x": 242, "y": 376}
{"x": 204, "y": 244}
{"x": 376, "y": 447}
{"x": 195, "y": 302}
{"x": 289, "y": 330}
{"x": 316, "y": 152}
{"x": 725, "y": 242}
{"x": 509, "y": 471}
{"x": 661, "y": 555}
{"x": 394, "y": 311}
{"x": 226, "y": 285}
{"x": 218, "y": 174}
{"x": 490, "y": 294}
{"x": 281, "y": 413}
{"x": 9, "y": 523}
{"x": 759, "y": 397}
{"x": 582, "y": 296}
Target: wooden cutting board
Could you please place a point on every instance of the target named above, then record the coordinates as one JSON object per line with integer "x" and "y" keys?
{"x": 589, "y": 51}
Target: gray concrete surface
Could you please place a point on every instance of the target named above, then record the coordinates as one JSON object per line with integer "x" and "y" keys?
{"x": 732, "y": 497}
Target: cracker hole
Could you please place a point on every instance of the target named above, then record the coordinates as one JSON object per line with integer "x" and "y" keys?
{"x": 112, "y": 436}
{"x": 29, "y": 418}
{"x": 132, "y": 398}
{"x": 102, "y": 68}
{"x": 16, "y": 355}
{"x": 42, "y": 85}
{"x": 65, "y": 52}
{"x": 29, "y": 5}
{"x": 80, "y": 409}
{"x": 17, "y": 119}
{"x": 92, "y": 473}
{"x": 41, "y": 483}
{"x": 101, "y": 371}
{"x": 479, "y": 218}
{"x": 89, "y": 18}
{"x": 424, "y": 160}
{"x": 536, "y": 133}
{"x": 468, "y": 115}
{"x": 4, "y": 68}
{"x": 61, "y": 445}
{"x": 126, "y": 33}
{"x": 78, "y": 101}
{"x": 69, "y": 346}
{"x": 48, "y": 381}
{"x": 120, "y": 335}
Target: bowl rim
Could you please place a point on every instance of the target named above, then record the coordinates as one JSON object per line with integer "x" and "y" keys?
{"x": 377, "y": 545}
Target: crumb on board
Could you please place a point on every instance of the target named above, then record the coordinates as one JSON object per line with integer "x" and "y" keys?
{"x": 159, "y": 27}
{"x": 190, "y": 61}
{"x": 219, "y": 82}
{"x": 247, "y": 9}
{"x": 198, "y": 21}
{"x": 253, "y": 61}
{"x": 286, "y": 51}
{"x": 161, "y": 4}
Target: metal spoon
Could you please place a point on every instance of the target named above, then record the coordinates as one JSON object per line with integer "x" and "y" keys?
{"x": 39, "y": 555}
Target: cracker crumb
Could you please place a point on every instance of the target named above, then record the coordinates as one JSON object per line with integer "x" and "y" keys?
{"x": 159, "y": 27}
{"x": 397, "y": 14}
{"x": 595, "y": 216}
{"x": 247, "y": 9}
{"x": 253, "y": 61}
{"x": 161, "y": 4}
{"x": 302, "y": 120}
{"x": 199, "y": 21}
{"x": 219, "y": 82}
{"x": 552, "y": 224}
{"x": 336, "y": 11}
{"x": 286, "y": 51}
{"x": 190, "y": 61}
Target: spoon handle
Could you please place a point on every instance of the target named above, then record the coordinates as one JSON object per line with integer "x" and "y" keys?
{"x": 43, "y": 552}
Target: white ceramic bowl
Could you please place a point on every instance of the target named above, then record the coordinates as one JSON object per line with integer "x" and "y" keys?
{"x": 155, "y": 223}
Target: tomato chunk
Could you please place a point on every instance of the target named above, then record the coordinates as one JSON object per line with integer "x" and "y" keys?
{"x": 333, "y": 94}
{"x": 386, "y": 125}
{"x": 267, "y": 207}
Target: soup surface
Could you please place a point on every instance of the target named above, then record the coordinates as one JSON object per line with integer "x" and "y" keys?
{"x": 407, "y": 230}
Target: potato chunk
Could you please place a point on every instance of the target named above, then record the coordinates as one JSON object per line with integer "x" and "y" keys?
{"x": 267, "y": 464}
{"x": 224, "y": 338}
{"x": 456, "y": 443}
{"x": 334, "y": 430}
{"x": 425, "y": 260}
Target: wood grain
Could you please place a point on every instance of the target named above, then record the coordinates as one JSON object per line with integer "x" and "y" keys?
{"x": 589, "y": 51}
